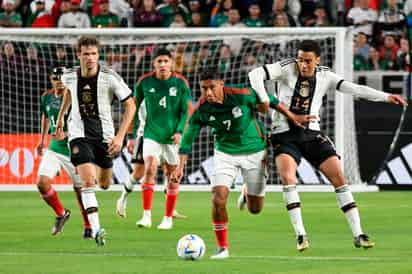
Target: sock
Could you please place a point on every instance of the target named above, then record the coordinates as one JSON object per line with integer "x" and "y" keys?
{"x": 147, "y": 195}
{"x": 91, "y": 206}
{"x": 51, "y": 198}
{"x": 220, "y": 229}
{"x": 292, "y": 200}
{"x": 77, "y": 191}
{"x": 128, "y": 185}
{"x": 347, "y": 204}
{"x": 171, "y": 197}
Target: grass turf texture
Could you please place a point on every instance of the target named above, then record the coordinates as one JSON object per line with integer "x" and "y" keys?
{"x": 261, "y": 244}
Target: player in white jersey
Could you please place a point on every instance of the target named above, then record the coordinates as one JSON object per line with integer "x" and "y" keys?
{"x": 92, "y": 140}
{"x": 135, "y": 147}
{"x": 301, "y": 85}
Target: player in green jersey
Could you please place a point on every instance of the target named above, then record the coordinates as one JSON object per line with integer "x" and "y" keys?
{"x": 239, "y": 145}
{"x": 56, "y": 157}
{"x": 167, "y": 98}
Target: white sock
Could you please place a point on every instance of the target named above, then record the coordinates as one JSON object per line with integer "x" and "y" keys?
{"x": 129, "y": 184}
{"x": 292, "y": 200}
{"x": 347, "y": 204}
{"x": 147, "y": 213}
{"x": 90, "y": 204}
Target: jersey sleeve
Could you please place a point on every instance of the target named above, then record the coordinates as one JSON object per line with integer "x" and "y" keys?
{"x": 186, "y": 106}
{"x": 190, "y": 134}
{"x": 273, "y": 101}
{"x": 120, "y": 89}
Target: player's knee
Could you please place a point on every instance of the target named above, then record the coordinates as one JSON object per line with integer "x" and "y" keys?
{"x": 150, "y": 172}
{"x": 43, "y": 184}
{"x": 219, "y": 200}
{"x": 89, "y": 182}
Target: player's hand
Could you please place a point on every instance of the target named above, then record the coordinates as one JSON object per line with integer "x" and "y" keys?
{"x": 302, "y": 120}
{"x": 177, "y": 138}
{"x": 39, "y": 149}
{"x": 59, "y": 134}
{"x": 397, "y": 100}
{"x": 177, "y": 175}
{"x": 130, "y": 145}
{"x": 115, "y": 146}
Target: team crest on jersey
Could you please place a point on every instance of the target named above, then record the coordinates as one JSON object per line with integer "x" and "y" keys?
{"x": 237, "y": 112}
{"x": 212, "y": 118}
{"x": 152, "y": 90}
{"x": 172, "y": 91}
{"x": 304, "y": 89}
{"x": 48, "y": 108}
{"x": 86, "y": 97}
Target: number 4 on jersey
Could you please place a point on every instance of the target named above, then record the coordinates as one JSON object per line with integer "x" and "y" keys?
{"x": 162, "y": 102}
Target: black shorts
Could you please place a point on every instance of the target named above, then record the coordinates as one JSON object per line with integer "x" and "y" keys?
{"x": 314, "y": 146}
{"x": 137, "y": 156}
{"x": 83, "y": 151}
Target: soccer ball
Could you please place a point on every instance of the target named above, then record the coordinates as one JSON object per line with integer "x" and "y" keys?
{"x": 190, "y": 247}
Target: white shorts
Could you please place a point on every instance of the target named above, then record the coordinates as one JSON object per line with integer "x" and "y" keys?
{"x": 51, "y": 164}
{"x": 252, "y": 166}
{"x": 164, "y": 153}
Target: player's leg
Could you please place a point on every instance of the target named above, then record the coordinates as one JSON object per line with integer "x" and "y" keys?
{"x": 254, "y": 176}
{"x": 77, "y": 186}
{"x": 135, "y": 176}
{"x": 133, "y": 179}
{"x": 332, "y": 169}
{"x": 225, "y": 172}
{"x": 286, "y": 166}
{"x": 176, "y": 214}
{"x": 151, "y": 153}
{"x": 172, "y": 190}
{"x": 83, "y": 155}
{"x": 49, "y": 166}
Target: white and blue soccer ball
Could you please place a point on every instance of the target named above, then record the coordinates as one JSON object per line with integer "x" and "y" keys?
{"x": 190, "y": 247}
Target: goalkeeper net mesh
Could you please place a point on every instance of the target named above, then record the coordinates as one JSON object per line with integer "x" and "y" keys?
{"x": 27, "y": 58}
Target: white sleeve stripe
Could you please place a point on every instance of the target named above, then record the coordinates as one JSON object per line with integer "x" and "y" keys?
{"x": 266, "y": 72}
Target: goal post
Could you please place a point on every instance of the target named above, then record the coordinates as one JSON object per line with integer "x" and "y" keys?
{"x": 23, "y": 78}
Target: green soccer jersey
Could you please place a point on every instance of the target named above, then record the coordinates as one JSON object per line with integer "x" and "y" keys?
{"x": 234, "y": 123}
{"x": 110, "y": 20}
{"x": 50, "y": 107}
{"x": 167, "y": 105}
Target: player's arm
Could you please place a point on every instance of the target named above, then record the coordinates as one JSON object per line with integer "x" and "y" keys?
{"x": 369, "y": 93}
{"x": 187, "y": 108}
{"x": 257, "y": 78}
{"x": 67, "y": 100}
{"x": 44, "y": 129}
{"x": 189, "y": 136}
{"x": 124, "y": 94}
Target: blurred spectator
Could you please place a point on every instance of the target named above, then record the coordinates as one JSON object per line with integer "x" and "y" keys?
{"x": 35, "y": 73}
{"x": 307, "y": 13}
{"x": 105, "y": 19}
{"x": 281, "y": 20}
{"x": 182, "y": 57}
{"x": 146, "y": 15}
{"x": 195, "y": 7}
{"x": 123, "y": 10}
{"x": 359, "y": 61}
{"x": 362, "y": 45}
{"x": 196, "y": 20}
{"x": 320, "y": 17}
{"x": 403, "y": 55}
{"x": 169, "y": 8}
{"x": 373, "y": 60}
{"x": 202, "y": 60}
{"x": 362, "y": 17}
{"x": 391, "y": 20}
{"x": 388, "y": 53}
{"x": 279, "y": 7}
{"x": 39, "y": 9}
{"x": 9, "y": 18}
{"x": 225, "y": 59}
{"x": 60, "y": 58}
{"x": 75, "y": 18}
{"x": 407, "y": 8}
{"x": 220, "y": 13}
{"x": 113, "y": 60}
{"x": 254, "y": 19}
{"x": 48, "y": 6}
{"x": 234, "y": 19}
{"x": 43, "y": 17}
{"x": 178, "y": 21}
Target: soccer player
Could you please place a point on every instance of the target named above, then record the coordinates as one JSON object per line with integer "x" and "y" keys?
{"x": 239, "y": 145}
{"x": 167, "y": 98}
{"x": 93, "y": 143}
{"x": 56, "y": 157}
{"x": 135, "y": 147}
{"x": 302, "y": 84}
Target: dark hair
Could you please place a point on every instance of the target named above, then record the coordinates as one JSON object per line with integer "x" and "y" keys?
{"x": 86, "y": 41}
{"x": 310, "y": 46}
{"x": 211, "y": 74}
{"x": 162, "y": 51}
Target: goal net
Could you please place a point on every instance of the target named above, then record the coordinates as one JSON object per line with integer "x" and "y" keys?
{"x": 28, "y": 55}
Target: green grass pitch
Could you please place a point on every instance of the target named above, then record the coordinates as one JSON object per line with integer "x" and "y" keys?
{"x": 258, "y": 243}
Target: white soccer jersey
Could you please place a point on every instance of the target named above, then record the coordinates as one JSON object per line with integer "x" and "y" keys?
{"x": 91, "y": 100}
{"x": 304, "y": 96}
